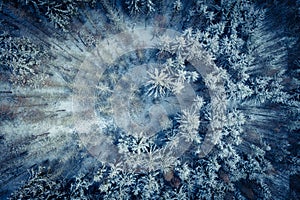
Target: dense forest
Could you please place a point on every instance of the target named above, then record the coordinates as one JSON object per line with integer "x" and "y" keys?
{"x": 149, "y": 99}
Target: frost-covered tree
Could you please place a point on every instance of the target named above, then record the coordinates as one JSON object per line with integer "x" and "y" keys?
{"x": 177, "y": 5}
{"x": 189, "y": 122}
{"x": 134, "y": 6}
{"x": 150, "y": 6}
{"x": 159, "y": 83}
{"x": 23, "y": 60}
